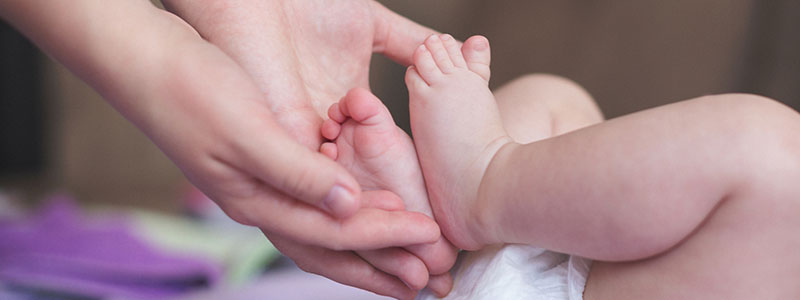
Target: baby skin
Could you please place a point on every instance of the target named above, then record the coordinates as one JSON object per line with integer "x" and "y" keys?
{"x": 381, "y": 156}
{"x": 693, "y": 185}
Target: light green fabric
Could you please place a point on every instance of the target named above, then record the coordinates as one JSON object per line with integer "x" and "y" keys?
{"x": 242, "y": 251}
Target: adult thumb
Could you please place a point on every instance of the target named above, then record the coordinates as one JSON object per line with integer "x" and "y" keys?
{"x": 305, "y": 175}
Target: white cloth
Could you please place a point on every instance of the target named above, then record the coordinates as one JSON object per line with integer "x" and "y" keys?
{"x": 517, "y": 272}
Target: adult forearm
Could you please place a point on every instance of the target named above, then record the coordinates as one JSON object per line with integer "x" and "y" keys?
{"x": 118, "y": 47}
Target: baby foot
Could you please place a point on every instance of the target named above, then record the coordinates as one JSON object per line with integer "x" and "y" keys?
{"x": 457, "y": 129}
{"x": 381, "y": 156}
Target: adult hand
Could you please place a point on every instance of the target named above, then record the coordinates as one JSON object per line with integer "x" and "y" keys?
{"x": 209, "y": 116}
{"x": 304, "y": 56}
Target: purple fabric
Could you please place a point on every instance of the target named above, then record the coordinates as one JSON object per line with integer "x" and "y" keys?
{"x": 58, "y": 251}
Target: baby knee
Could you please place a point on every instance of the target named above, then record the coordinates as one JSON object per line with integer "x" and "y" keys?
{"x": 766, "y": 131}
{"x": 554, "y": 87}
{"x": 561, "y": 98}
{"x": 547, "y": 80}
{"x": 759, "y": 116}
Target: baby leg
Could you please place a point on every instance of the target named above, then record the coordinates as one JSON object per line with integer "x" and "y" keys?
{"x": 539, "y": 106}
{"x": 717, "y": 204}
{"x": 702, "y": 266}
{"x": 709, "y": 182}
{"x": 703, "y": 192}
{"x": 746, "y": 246}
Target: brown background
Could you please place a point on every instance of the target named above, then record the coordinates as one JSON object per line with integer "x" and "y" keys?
{"x": 629, "y": 54}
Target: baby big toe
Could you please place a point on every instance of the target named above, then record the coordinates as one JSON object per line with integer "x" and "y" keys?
{"x": 330, "y": 150}
{"x": 477, "y": 55}
{"x": 365, "y": 108}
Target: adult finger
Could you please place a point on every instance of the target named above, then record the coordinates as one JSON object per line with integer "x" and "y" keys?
{"x": 439, "y": 257}
{"x": 368, "y": 229}
{"x": 382, "y": 199}
{"x": 441, "y": 285}
{"x": 344, "y": 267}
{"x": 396, "y": 37}
{"x": 400, "y": 263}
{"x": 279, "y": 161}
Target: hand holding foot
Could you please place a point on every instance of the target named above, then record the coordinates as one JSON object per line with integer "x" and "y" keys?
{"x": 381, "y": 156}
{"x": 301, "y": 68}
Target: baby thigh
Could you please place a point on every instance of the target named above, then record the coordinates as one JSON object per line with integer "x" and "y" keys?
{"x": 539, "y": 106}
{"x": 742, "y": 251}
{"x": 746, "y": 248}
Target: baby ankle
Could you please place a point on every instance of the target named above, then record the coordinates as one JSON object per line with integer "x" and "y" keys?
{"x": 484, "y": 210}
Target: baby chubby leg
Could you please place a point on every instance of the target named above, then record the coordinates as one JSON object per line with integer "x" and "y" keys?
{"x": 635, "y": 186}
{"x": 703, "y": 192}
{"x": 539, "y": 106}
{"x": 746, "y": 245}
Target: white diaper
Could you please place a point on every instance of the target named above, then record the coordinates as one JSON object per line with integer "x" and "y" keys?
{"x": 517, "y": 272}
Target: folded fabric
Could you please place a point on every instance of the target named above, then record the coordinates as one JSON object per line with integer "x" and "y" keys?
{"x": 243, "y": 252}
{"x": 512, "y": 271}
{"x": 57, "y": 251}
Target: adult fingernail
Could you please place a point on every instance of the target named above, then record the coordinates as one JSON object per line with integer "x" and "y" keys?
{"x": 406, "y": 283}
{"x": 338, "y": 201}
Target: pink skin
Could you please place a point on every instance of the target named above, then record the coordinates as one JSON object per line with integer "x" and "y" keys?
{"x": 672, "y": 195}
{"x": 303, "y": 56}
{"x": 302, "y": 68}
{"x": 233, "y": 92}
{"x": 381, "y": 156}
{"x": 442, "y": 74}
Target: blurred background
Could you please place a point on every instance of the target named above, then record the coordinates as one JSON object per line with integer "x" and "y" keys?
{"x": 59, "y": 136}
{"x": 630, "y": 55}
{"x": 56, "y": 133}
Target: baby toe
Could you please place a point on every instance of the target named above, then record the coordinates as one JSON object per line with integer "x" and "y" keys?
{"x": 477, "y": 55}
{"x": 330, "y": 150}
{"x": 365, "y": 108}
{"x": 454, "y": 50}
{"x": 335, "y": 113}
{"x": 425, "y": 65}
{"x": 413, "y": 80}
{"x": 439, "y": 53}
{"x": 330, "y": 129}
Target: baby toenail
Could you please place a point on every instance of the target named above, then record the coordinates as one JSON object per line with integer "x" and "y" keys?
{"x": 447, "y": 37}
{"x": 481, "y": 45}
